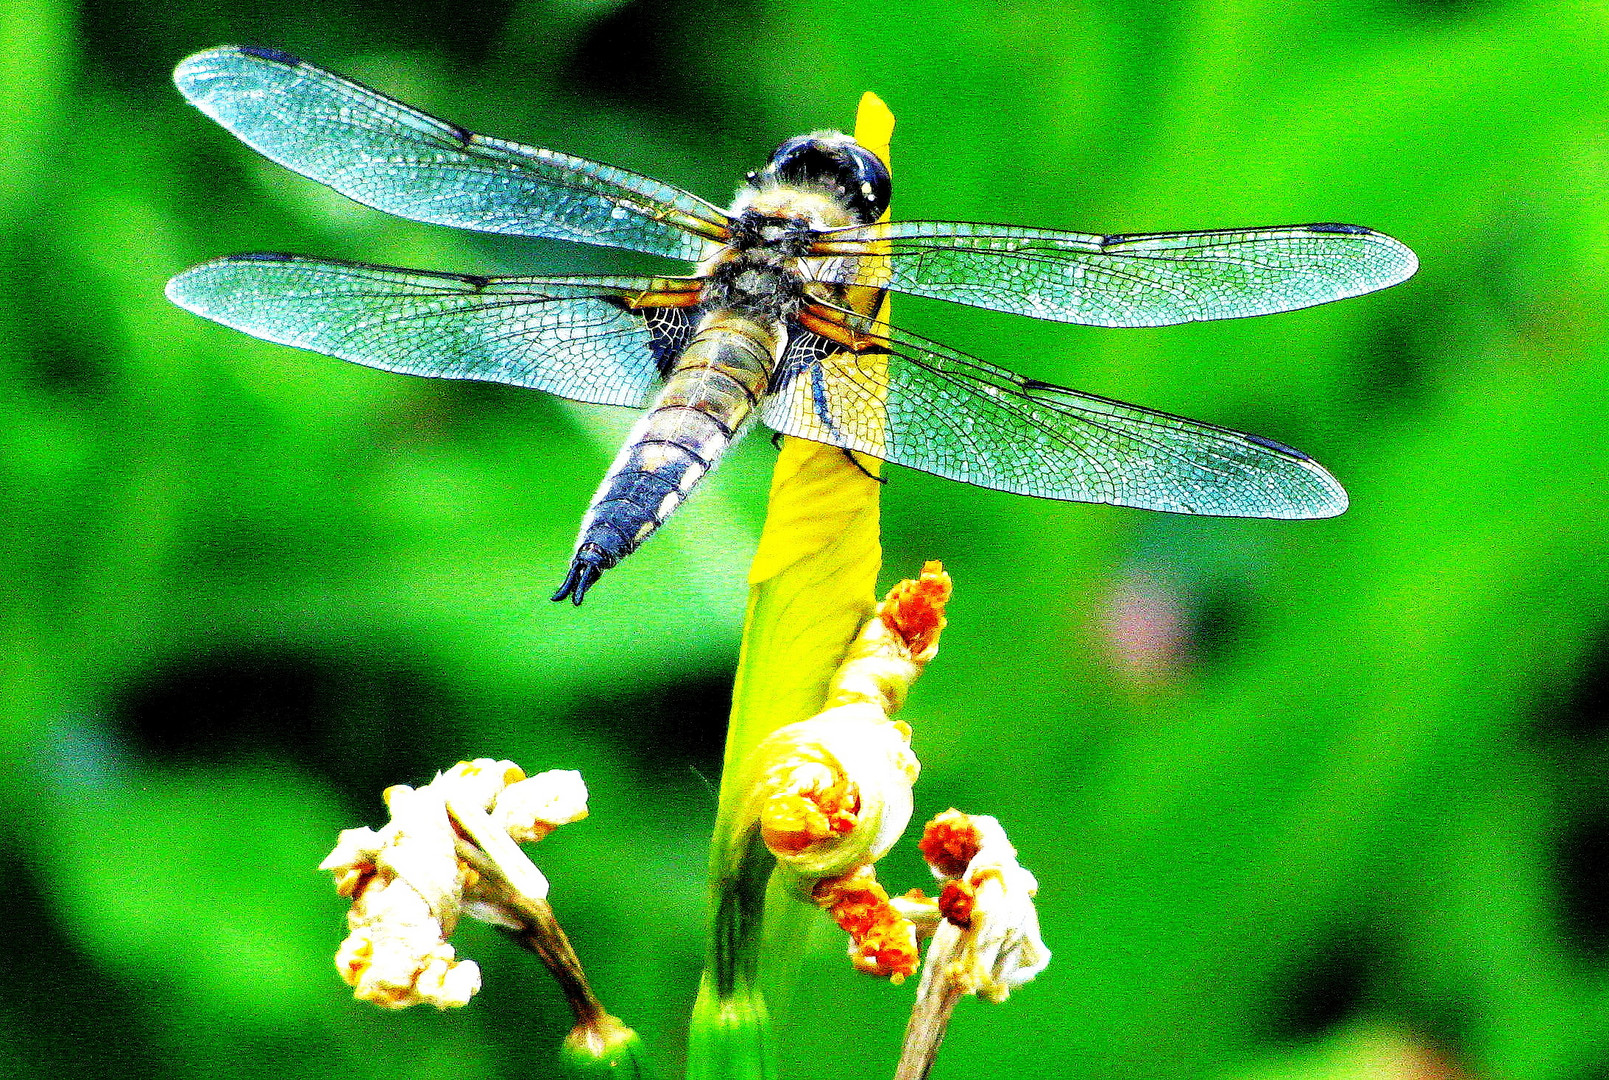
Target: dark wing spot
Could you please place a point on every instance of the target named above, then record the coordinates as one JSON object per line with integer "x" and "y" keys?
{"x": 805, "y": 350}
{"x": 278, "y": 56}
{"x": 1336, "y": 227}
{"x": 266, "y": 256}
{"x": 1278, "y": 447}
{"x": 670, "y": 329}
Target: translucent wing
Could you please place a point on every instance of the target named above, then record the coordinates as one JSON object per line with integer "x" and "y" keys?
{"x": 919, "y": 404}
{"x": 573, "y": 336}
{"x": 1146, "y": 279}
{"x": 387, "y": 155}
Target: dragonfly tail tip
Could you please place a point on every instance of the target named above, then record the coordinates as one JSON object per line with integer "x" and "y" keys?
{"x": 581, "y": 577}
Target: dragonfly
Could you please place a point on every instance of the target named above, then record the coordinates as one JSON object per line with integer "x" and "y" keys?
{"x": 777, "y": 323}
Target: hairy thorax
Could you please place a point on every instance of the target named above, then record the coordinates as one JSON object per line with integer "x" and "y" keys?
{"x": 761, "y": 271}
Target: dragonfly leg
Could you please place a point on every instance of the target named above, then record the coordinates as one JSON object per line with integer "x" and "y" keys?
{"x": 855, "y": 461}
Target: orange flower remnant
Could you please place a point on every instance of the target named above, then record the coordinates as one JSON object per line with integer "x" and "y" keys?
{"x": 882, "y": 941}
{"x": 957, "y": 901}
{"x": 792, "y": 822}
{"x": 915, "y": 609}
{"x": 949, "y": 842}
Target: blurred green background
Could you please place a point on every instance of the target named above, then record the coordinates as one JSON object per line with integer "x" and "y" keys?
{"x": 1304, "y": 799}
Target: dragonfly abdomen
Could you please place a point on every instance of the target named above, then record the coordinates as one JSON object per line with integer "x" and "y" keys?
{"x": 712, "y": 392}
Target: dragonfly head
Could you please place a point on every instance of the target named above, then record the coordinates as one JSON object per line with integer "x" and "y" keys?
{"x": 835, "y": 163}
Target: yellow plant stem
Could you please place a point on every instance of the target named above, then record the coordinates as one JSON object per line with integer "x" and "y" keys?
{"x": 811, "y": 588}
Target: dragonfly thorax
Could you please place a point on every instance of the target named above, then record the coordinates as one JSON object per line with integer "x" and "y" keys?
{"x": 786, "y": 235}
{"x": 760, "y": 281}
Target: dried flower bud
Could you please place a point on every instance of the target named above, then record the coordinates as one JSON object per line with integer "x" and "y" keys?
{"x": 410, "y": 882}
{"x": 603, "y": 1046}
{"x": 915, "y": 610}
{"x": 530, "y": 809}
{"x": 882, "y": 941}
{"x": 837, "y": 791}
{"x": 896, "y": 644}
{"x": 957, "y": 901}
{"x": 949, "y": 842}
{"x": 477, "y": 783}
{"x": 986, "y": 941}
{"x": 989, "y": 943}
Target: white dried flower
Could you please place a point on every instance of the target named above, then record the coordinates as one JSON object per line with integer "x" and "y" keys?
{"x": 530, "y": 809}
{"x": 410, "y": 883}
{"x": 988, "y": 943}
{"x": 987, "y": 940}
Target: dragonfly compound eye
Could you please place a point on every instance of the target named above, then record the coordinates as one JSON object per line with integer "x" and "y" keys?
{"x": 838, "y": 164}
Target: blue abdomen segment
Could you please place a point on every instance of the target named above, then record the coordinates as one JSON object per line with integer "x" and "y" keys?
{"x": 649, "y": 481}
{"x": 706, "y": 403}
